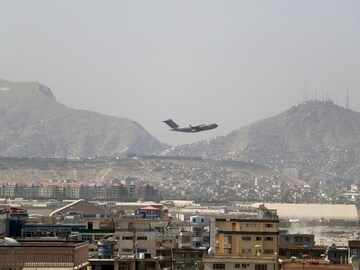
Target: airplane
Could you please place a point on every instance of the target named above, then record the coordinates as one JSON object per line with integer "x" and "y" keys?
{"x": 192, "y": 129}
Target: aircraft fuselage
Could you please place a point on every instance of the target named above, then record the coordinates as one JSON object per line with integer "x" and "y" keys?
{"x": 190, "y": 129}
{"x": 195, "y": 129}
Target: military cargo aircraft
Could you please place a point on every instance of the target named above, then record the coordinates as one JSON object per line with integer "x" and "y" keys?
{"x": 191, "y": 129}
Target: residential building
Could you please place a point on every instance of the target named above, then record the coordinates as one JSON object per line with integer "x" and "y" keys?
{"x": 135, "y": 241}
{"x": 250, "y": 244}
{"x": 297, "y": 239}
{"x": 43, "y": 254}
{"x": 150, "y": 212}
{"x": 354, "y": 254}
{"x": 337, "y": 255}
{"x": 124, "y": 263}
{"x": 194, "y": 236}
{"x": 298, "y": 245}
{"x": 78, "y": 190}
{"x": 147, "y": 192}
{"x": 187, "y": 258}
{"x": 49, "y": 230}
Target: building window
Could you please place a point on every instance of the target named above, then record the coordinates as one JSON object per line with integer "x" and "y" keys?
{"x": 269, "y": 251}
{"x": 269, "y": 238}
{"x": 298, "y": 239}
{"x": 233, "y": 226}
{"x": 141, "y": 238}
{"x": 251, "y": 225}
{"x": 143, "y": 250}
{"x": 260, "y": 267}
{"x": 227, "y": 250}
{"x": 258, "y": 238}
{"x": 245, "y": 265}
{"x": 218, "y": 266}
{"x": 86, "y": 237}
{"x": 267, "y": 225}
{"x": 127, "y": 238}
{"x": 246, "y": 250}
{"x": 227, "y": 239}
{"x": 246, "y": 238}
{"x": 197, "y": 232}
{"x": 237, "y": 265}
{"x": 98, "y": 236}
{"x": 124, "y": 266}
{"x": 185, "y": 239}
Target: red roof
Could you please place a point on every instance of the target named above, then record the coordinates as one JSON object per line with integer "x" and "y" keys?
{"x": 149, "y": 208}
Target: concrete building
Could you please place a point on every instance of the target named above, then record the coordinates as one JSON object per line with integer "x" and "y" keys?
{"x": 78, "y": 190}
{"x": 337, "y": 255}
{"x": 8, "y": 190}
{"x": 297, "y": 239}
{"x": 136, "y": 241}
{"x": 194, "y": 236}
{"x": 123, "y": 263}
{"x": 96, "y": 221}
{"x": 150, "y": 212}
{"x": 16, "y": 255}
{"x": 250, "y": 244}
{"x": 187, "y": 258}
{"x": 298, "y": 245}
{"x": 49, "y": 230}
{"x": 354, "y": 254}
{"x": 130, "y": 207}
{"x": 147, "y": 192}
{"x": 4, "y": 222}
{"x": 90, "y": 213}
{"x": 292, "y": 172}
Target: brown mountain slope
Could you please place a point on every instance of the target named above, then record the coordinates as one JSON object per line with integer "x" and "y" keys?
{"x": 320, "y": 138}
{"x": 33, "y": 123}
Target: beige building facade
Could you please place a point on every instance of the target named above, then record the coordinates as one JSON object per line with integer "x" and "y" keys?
{"x": 250, "y": 244}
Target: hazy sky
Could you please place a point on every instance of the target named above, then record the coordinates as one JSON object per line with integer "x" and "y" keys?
{"x": 199, "y": 61}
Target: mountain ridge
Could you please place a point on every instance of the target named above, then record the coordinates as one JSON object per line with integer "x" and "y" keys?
{"x": 33, "y": 123}
{"x": 309, "y": 136}
{"x": 317, "y": 137}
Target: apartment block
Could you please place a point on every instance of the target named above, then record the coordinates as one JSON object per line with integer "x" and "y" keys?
{"x": 244, "y": 243}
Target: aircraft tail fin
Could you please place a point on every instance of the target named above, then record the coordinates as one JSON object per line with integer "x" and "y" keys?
{"x": 171, "y": 123}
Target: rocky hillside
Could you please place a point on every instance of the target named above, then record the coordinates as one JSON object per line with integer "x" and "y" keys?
{"x": 33, "y": 123}
{"x": 320, "y": 138}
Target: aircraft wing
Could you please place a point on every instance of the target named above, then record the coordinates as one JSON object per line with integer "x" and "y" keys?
{"x": 197, "y": 127}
